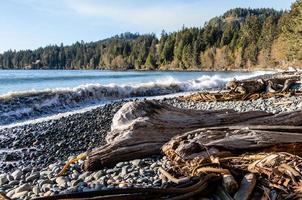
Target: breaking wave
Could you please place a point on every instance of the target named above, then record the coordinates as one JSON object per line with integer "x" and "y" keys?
{"x": 24, "y": 105}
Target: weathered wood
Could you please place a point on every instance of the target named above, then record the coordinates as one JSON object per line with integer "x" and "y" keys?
{"x": 229, "y": 183}
{"x": 196, "y": 147}
{"x": 265, "y": 86}
{"x": 246, "y": 188}
{"x": 172, "y": 178}
{"x": 139, "y": 129}
{"x": 272, "y": 152}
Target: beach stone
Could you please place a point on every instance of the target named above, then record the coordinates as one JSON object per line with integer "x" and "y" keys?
{"x": 46, "y": 181}
{"x": 142, "y": 180}
{"x": 47, "y": 194}
{"x": 56, "y": 170}
{"x": 10, "y": 193}
{"x": 82, "y": 184}
{"x": 45, "y": 173}
{"x": 10, "y": 177}
{"x": 32, "y": 177}
{"x": 99, "y": 187}
{"x": 36, "y": 190}
{"x": 75, "y": 182}
{"x": 19, "y": 195}
{"x": 111, "y": 171}
{"x": 22, "y": 188}
{"x": 136, "y": 162}
{"x": 110, "y": 187}
{"x": 3, "y": 179}
{"x": 26, "y": 169}
{"x": 73, "y": 176}
{"x": 101, "y": 180}
{"x": 70, "y": 190}
{"x": 17, "y": 174}
{"x": 124, "y": 171}
{"x": 13, "y": 183}
{"x": 88, "y": 178}
{"x": 157, "y": 182}
{"x": 98, "y": 175}
{"x": 123, "y": 185}
{"x": 120, "y": 164}
{"x": 154, "y": 165}
{"x": 84, "y": 175}
{"x": 46, "y": 187}
{"x": 62, "y": 182}
{"x": 110, "y": 181}
{"x": 51, "y": 166}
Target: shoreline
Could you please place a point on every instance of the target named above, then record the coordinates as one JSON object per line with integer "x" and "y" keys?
{"x": 159, "y": 70}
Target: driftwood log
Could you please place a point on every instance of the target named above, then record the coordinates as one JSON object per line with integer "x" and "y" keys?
{"x": 197, "y": 147}
{"x": 281, "y": 82}
{"x": 139, "y": 129}
{"x": 265, "y": 86}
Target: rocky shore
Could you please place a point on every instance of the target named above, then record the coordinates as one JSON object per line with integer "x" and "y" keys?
{"x": 32, "y": 155}
{"x": 41, "y": 144}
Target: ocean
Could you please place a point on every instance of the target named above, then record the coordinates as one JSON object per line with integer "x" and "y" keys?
{"x": 32, "y": 94}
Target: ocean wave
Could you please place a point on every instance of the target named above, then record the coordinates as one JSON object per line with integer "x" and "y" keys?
{"x": 25, "y": 105}
{"x": 9, "y": 80}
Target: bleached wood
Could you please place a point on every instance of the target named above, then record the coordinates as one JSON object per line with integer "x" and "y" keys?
{"x": 139, "y": 129}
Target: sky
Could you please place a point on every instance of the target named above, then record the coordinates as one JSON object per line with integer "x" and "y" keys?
{"x": 29, "y": 24}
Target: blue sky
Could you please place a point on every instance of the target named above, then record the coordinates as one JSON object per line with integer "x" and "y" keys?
{"x": 29, "y": 24}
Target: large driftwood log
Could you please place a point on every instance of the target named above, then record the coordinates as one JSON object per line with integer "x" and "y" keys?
{"x": 139, "y": 129}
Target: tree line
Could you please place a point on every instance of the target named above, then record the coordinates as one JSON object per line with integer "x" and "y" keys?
{"x": 239, "y": 39}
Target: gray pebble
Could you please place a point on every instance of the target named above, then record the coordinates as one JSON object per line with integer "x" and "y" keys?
{"x": 32, "y": 177}
{"x": 18, "y": 195}
{"x": 22, "y": 188}
{"x": 98, "y": 174}
{"x": 136, "y": 162}
{"x": 36, "y": 190}
{"x": 46, "y": 187}
{"x": 17, "y": 174}
{"x": 3, "y": 179}
{"x": 62, "y": 181}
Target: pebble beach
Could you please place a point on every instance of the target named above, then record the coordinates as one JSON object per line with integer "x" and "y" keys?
{"x": 32, "y": 155}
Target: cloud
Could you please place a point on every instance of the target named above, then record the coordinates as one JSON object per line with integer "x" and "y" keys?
{"x": 169, "y": 17}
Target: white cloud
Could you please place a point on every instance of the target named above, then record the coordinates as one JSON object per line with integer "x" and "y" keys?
{"x": 156, "y": 17}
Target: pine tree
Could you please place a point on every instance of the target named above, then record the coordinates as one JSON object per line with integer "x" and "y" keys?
{"x": 290, "y": 40}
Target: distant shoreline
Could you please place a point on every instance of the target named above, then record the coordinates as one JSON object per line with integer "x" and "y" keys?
{"x": 167, "y": 70}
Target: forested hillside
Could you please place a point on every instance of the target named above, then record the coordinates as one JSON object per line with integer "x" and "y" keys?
{"x": 239, "y": 39}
